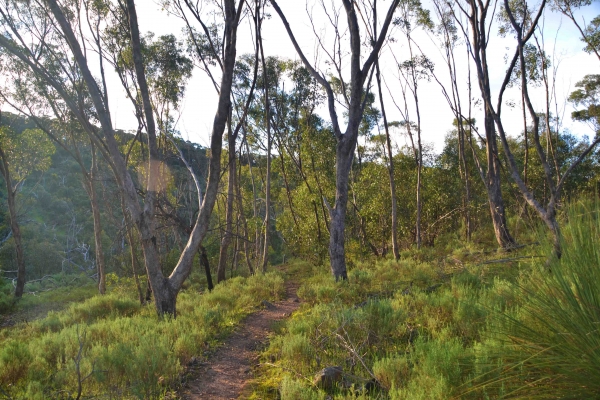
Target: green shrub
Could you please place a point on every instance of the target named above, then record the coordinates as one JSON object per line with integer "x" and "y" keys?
{"x": 392, "y": 372}
{"x": 14, "y": 362}
{"x": 294, "y": 390}
{"x": 121, "y": 348}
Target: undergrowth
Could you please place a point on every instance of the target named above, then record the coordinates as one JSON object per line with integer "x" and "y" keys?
{"x": 496, "y": 325}
{"x": 111, "y": 347}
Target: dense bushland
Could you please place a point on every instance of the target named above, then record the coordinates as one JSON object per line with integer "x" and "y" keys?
{"x": 453, "y": 325}
{"x": 90, "y": 205}
{"x": 110, "y": 346}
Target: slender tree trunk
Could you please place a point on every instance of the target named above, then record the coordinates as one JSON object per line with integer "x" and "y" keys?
{"x": 526, "y": 162}
{"x": 243, "y": 218}
{"x": 388, "y": 142}
{"x": 206, "y": 265}
{"x": 419, "y": 205}
{"x": 494, "y": 189}
{"x": 16, "y": 230}
{"x": 97, "y": 224}
{"x": 226, "y": 241}
{"x": 14, "y": 224}
{"x": 465, "y": 171}
{"x": 419, "y": 146}
{"x": 267, "y": 221}
{"x": 254, "y": 203}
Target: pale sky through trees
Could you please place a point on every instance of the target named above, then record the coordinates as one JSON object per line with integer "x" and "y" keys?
{"x": 199, "y": 104}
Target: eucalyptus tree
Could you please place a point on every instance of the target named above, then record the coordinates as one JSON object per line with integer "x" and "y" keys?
{"x": 38, "y": 34}
{"x": 390, "y": 162}
{"x": 34, "y": 100}
{"x": 587, "y": 95}
{"x": 206, "y": 47}
{"x": 447, "y": 34}
{"x": 411, "y": 16}
{"x": 346, "y": 140}
{"x": 168, "y": 69}
{"x": 523, "y": 21}
{"x": 476, "y": 32}
{"x": 20, "y": 155}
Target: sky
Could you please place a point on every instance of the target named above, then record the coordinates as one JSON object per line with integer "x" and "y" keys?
{"x": 199, "y": 105}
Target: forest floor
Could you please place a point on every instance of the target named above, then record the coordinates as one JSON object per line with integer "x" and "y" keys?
{"x": 228, "y": 371}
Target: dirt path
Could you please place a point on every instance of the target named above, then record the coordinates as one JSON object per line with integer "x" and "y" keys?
{"x": 228, "y": 370}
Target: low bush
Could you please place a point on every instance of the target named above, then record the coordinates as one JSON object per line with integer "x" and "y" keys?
{"x": 414, "y": 325}
{"x": 115, "y": 348}
{"x": 507, "y": 326}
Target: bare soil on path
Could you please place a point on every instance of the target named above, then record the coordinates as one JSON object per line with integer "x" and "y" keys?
{"x": 227, "y": 372}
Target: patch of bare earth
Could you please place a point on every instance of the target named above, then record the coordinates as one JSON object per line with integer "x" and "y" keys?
{"x": 227, "y": 372}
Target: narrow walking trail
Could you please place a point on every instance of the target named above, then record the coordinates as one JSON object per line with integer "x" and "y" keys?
{"x": 225, "y": 375}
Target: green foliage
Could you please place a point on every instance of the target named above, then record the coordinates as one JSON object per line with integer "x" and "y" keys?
{"x": 390, "y": 319}
{"x": 430, "y": 332}
{"x": 592, "y": 33}
{"x": 588, "y": 95}
{"x": 119, "y": 345}
{"x": 14, "y": 362}
{"x": 28, "y": 151}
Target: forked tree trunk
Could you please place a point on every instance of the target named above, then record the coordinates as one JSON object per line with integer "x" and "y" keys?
{"x": 494, "y": 189}
{"x": 479, "y": 44}
{"x": 165, "y": 289}
{"x": 346, "y": 141}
